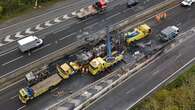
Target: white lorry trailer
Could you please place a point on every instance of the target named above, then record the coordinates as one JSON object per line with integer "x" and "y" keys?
{"x": 29, "y": 43}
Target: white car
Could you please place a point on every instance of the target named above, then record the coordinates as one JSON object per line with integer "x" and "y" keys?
{"x": 187, "y": 2}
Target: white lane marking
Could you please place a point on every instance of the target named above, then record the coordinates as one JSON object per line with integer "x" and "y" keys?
{"x": 74, "y": 13}
{"x": 113, "y": 16}
{"x": 47, "y": 23}
{"x": 41, "y": 48}
{"x": 131, "y": 76}
{"x": 39, "y": 28}
{"x": 155, "y": 73}
{"x": 66, "y": 17}
{"x": 131, "y": 90}
{"x": 82, "y": 9}
{"x": 10, "y": 84}
{"x": 57, "y": 20}
{"x": 90, "y": 26}
{"x": 67, "y": 36}
{"x": 1, "y": 44}
{"x": 184, "y": 66}
{"x": 19, "y": 35}
{"x": 12, "y": 60}
{"x": 7, "y": 39}
{"x": 21, "y": 107}
{"x": 13, "y": 97}
{"x": 44, "y": 14}
{"x": 7, "y": 52}
{"x": 29, "y": 31}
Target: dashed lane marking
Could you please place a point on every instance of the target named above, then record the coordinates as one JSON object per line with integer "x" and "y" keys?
{"x": 4, "y": 64}
{"x": 21, "y": 107}
{"x": 7, "y": 52}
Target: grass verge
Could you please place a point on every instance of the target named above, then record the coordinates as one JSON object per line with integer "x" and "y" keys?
{"x": 178, "y": 95}
{"x": 27, "y": 9}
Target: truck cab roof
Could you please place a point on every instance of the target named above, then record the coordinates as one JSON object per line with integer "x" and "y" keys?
{"x": 65, "y": 67}
{"x": 96, "y": 62}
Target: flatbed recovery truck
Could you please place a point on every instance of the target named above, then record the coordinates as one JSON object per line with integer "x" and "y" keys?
{"x": 31, "y": 92}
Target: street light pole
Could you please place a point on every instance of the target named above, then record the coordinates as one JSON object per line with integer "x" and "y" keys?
{"x": 36, "y": 3}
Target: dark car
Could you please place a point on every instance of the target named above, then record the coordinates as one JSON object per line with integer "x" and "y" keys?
{"x": 131, "y": 3}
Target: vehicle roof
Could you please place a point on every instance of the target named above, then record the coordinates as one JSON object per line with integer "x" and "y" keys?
{"x": 95, "y": 62}
{"x": 65, "y": 67}
{"x": 27, "y": 40}
{"x": 168, "y": 30}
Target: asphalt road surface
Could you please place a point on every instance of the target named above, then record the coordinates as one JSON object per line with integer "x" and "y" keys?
{"x": 60, "y": 36}
{"x": 9, "y": 99}
{"x": 148, "y": 79}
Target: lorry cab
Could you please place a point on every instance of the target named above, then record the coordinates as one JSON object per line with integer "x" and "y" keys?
{"x": 65, "y": 70}
{"x": 25, "y": 94}
{"x": 96, "y": 65}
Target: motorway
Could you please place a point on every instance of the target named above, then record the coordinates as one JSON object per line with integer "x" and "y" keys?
{"x": 62, "y": 35}
{"x": 56, "y": 39}
{"x": 168, "y": 65}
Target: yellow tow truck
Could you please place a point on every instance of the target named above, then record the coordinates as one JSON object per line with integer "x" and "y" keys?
{"x": 99, "y": 64}
{"x": 68, "y": 69}
{"x": 139, "y": 33}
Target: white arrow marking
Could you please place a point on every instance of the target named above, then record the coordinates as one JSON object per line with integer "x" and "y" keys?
{"x": 38, "y": 27}
{"x": 7, "y": 39}
{"x": 66, "y": 17}
{"x": 48, "y": 23}
{"x": 82, "y": 9}
{"x": 57, "y": 20}
{"x": 19, "y": 35}
{"x": 28, "y": 31}
{"x": 74, "y": 13}
{"x": 1, "y": 44}
{"x": 193, "y": 29}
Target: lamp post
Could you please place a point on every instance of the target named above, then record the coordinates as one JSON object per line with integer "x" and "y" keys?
{"x": 36, "y": 3}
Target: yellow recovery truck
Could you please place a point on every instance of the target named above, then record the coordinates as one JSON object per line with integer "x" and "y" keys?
{"x": 139, "y": 33}
{"x": 99, "y": 64}
{"x": 28, "y": 93}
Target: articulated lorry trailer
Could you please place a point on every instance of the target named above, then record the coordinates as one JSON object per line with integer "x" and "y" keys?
{"x": 97, "y": 8}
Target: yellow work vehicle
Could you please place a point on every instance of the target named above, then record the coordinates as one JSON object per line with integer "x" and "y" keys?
{"x": 28, "y": 93}
{"x": 64, "y": 71}
{"x": 99, "y": 64}
{"x": 67, "y": 70}
{"x": 139, "y": 33}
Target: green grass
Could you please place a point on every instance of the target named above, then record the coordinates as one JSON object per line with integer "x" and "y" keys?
{"x": 178, "y": 95}
{"x": 26, "y": 9}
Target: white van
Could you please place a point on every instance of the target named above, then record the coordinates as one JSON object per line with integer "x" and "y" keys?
{"x": 187, "y": 2}
{"x": 29, "y": 43}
